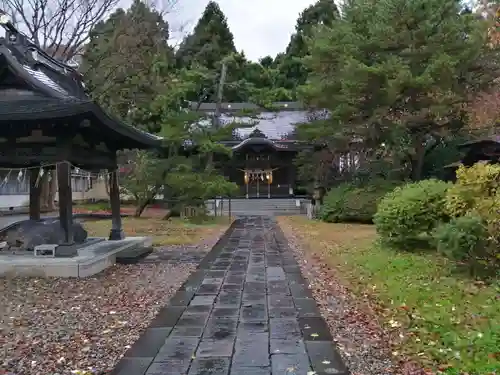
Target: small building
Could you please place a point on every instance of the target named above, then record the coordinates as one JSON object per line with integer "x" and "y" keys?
{"x": 263, "y": 144}
{"x": 47, "y": 122}
{"x": 482, "y": 150}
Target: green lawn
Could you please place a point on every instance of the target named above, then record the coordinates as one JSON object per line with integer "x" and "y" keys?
{"x": 439, "y": 317}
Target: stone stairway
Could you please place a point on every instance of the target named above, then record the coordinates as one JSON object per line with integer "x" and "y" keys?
{"x": 263, "y": 206}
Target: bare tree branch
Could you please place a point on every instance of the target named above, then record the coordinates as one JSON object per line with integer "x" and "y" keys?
{"x": 60, "y": 27}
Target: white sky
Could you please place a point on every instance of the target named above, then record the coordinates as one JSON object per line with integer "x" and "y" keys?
{"x": 260, "y": 27}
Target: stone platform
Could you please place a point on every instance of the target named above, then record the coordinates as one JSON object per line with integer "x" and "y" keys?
{"x": 91, "y": 259}
{"x": 246, "y": 310}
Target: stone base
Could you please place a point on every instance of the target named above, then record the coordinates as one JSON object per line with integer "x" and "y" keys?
{"x": 90, "y": 260}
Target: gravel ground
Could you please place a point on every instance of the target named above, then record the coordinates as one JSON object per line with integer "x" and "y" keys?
{"x": 56, "y": 326}
{"x": 362, "y": 343}
{"x": 68, "y": 326}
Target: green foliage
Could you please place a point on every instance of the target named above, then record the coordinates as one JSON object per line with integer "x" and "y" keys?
{"x": 464, "y": 239}
{"x": 126, "y": 57}
{"x": 408, "y": 215}
{"x": 210, "y": 41}
{"x": 350, "y": 203}
{"x": 476, "y": 191}
{"x": 397, "y": 67}
{"x": 475, "y": 195}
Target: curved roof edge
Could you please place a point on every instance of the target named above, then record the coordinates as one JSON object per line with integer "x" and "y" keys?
{"x": 255, "y": 141}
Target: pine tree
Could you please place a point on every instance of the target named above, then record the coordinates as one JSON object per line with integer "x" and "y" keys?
{"x": 210, "y": 41}
{"x": 293, "y": 71}
{"x": 398, "y": 72}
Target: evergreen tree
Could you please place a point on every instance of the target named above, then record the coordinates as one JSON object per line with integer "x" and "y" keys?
{"x": 292, "y": 67}
{"x": 398, "y": 72}
{"x": 210, "y": 41}
{"x": 126, "y": 57}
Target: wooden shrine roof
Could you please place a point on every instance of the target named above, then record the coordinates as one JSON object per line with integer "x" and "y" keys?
{"x": 35, "y": 88}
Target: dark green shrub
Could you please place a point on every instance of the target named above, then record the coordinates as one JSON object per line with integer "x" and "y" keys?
{"x": 465, "y": 239}
{"x": 408, "y": 215}
{"x": 349, "y": 203}
{"x": 462, "y": 238}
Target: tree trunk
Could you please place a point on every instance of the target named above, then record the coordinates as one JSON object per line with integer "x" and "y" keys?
{"x": 52, "y": 190}
{"x": 417, "y": 161}
{"x": 139, "y": 209}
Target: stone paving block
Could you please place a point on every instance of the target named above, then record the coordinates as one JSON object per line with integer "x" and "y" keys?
{"x": 275, "y": 274}
{"x": 169, "y": 367}
{"x": 283, "y": 312}
{"x": 253, "y": 312}
{"x": 221, "y": 312}
{"x": 207, "y": 289}
{"x": 235, "y": 279}
{"x": 307, "y": 307}
{"x": 216, "y": 274}
{"x": 149, "y": 343}
{"x": 220, "y": 328}
{"x": 216, "y": 347}
{"x": 279, "y": 346}
{"x": 315, "y": 329}
{"x": 212, "y": 280}
{"x": 256, "y": 278}
{"x": 278, "y": 287}
{"x": 210, "y": 366}
{"x": 132, "y": 366}
{"x": 241, "y": 273}
{"x": 285, "y": 329}
{"x": 254, "y": 298}
{"x": 279, "y": 300}
{"x": 255, "y": 287}
{"x": 290, "y": 364}
{"x": 325, "y": 358}
{"x": 231, "y": 287}
{"x": 244, "y": 370}
{"x": 230, "y": 299}
{"x": 198, "y": 309}
{"x": 187, "y": 331}
{"x": 192, "y": 320}
{"x": 178, "y": 349}
{"x": 252, "y": 351}
{"x": 203, "y": 300}
{"x": 300, "y": 291}
{"x": 167, "y": 317}
{"x": 181, "y": 298}
{"x": 252, "y": 327}
{"x": 293, "y": 269}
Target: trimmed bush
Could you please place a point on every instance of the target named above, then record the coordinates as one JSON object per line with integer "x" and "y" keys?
{"x": 408, "y": 215}
{"x": 461, "y": 238}
{"x": 349, "y": 203}
{"x": 476, "y": 191}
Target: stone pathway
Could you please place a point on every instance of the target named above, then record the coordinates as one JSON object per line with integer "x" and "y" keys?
{"x": 246, "y": 311}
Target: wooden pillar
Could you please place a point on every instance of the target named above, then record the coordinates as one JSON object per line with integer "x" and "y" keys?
{"x": 291, "y": 179}
{"x": 116, "y": 232}
{"x": 35, "y": 191}
{"x": 65, "y": 200}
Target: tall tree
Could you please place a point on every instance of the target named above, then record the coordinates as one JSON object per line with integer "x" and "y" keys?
{"x": 210, "y": 41}
{"x": 398, "y": 73}
{"x": 126, "y": 57}
{"x": 291, "y": 65}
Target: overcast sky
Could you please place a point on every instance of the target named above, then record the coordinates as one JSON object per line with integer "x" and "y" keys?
{"x": 260, "y": 27}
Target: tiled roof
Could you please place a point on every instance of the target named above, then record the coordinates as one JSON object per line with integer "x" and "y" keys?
{"x": 36, "y": 86}
{"x": 235, "y": 107}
